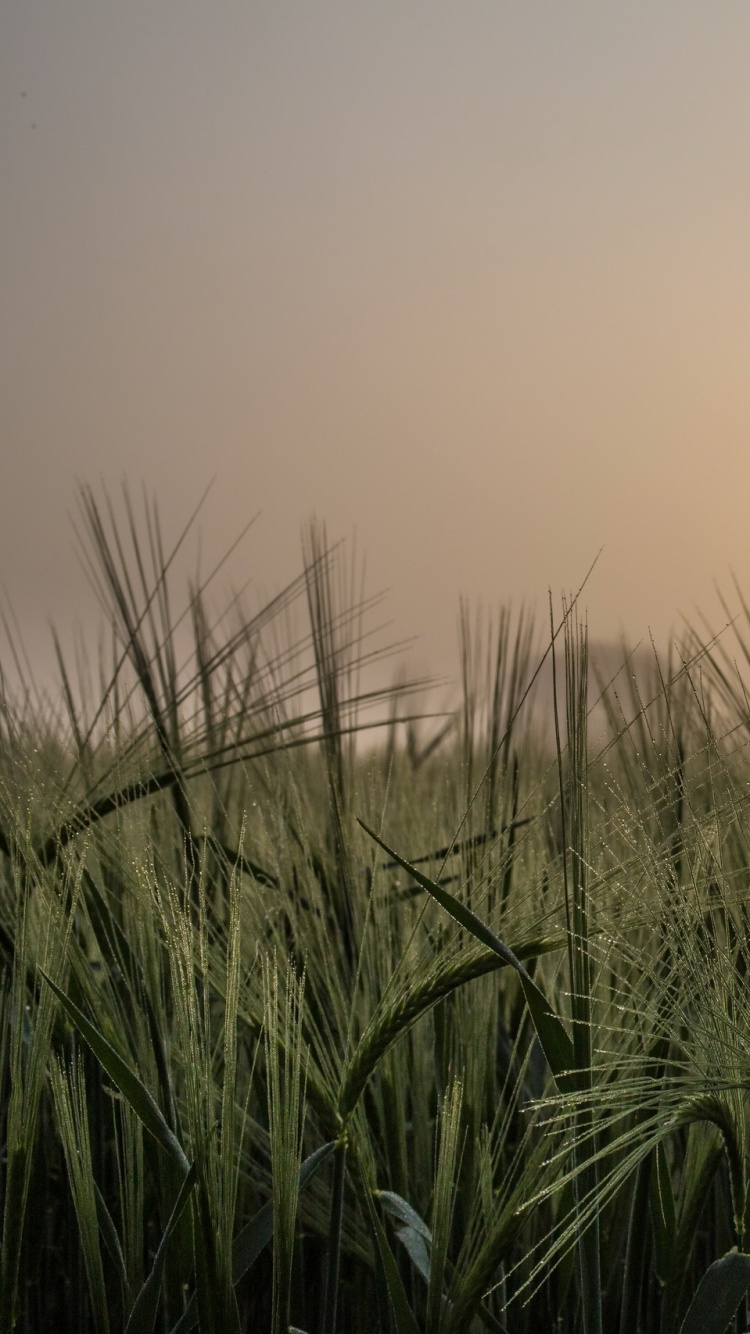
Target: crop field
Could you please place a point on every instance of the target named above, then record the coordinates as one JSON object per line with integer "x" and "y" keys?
{"x": 323, "y": 1012}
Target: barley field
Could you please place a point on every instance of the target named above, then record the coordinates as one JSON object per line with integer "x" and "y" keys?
{"x": 324, "y": 1010}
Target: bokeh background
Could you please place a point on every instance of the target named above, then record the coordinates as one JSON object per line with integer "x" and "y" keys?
{"x": 470, "y": 279}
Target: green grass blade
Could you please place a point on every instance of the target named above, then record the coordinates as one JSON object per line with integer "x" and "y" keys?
{"x": 333, "y": 1258}
{"x": 402, "y": 1312}
{"x": 143, "y": 1315}
{"x": 635, "y": 1251}
{"x": 254, "y": 1237}
{"x": 663, "y": 1217}
{"x": 14, "y": 1212}
{"x": 489, "y": 1321}
{"x": 463, "y": 915}
{"x": 115, "y": 948}
{"x": 249, "y": 1243}
{"x": 394, "y": 1021}
{"x": 286, "y": 1061}
{"x": 552, "y": 1035}
{"x": 718, "y": 1295}
{"x": 398, "y": 1208}
{"x": 110, "y": 1237}
{"x": 416, "y": 1248}
{"x": 130, "y": 1086}
{"x": 443, "y": 1201}
{"x": 71, "y": 1112}
{"x": 416, "y": 1238}
{"x": 574, "y": 788}
{"x": 705, "y": 1152}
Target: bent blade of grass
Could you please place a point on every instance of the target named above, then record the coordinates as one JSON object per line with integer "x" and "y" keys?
{"x": 414, "y": 1235}
{"x": 398, "y": 1208}
{"x": 416, "y": 1248}
{"x": 402, "y": 1312}
{"x": 394, "y": 1020}
{"x": 718, "y": 1295}
{"x": 416, "y": 1238}
{"x": 127, "y": 1081}
{"x": 555, "y": 1041}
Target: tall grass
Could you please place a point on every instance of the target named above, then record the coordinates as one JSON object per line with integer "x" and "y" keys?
{"x": 484, "y": 1067}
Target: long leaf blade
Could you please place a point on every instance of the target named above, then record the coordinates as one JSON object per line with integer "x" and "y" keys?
{"x": 397, "y": 1207}
{"x": 254, "y": 1237}
{"x": 718, "y": 1295}
{"x": 110, "y": 1237}
{"x": 554, "y": 1038}
{"x": 416, "y": 1248}
{"x": 663, "y": 1216}
{"x": 127, "y": 1081}
{"x": 402, "y": 1312}
{"x": 143, "y": 1315}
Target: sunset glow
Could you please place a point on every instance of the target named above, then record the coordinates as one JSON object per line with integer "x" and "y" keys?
{"x": 471, "y": 279}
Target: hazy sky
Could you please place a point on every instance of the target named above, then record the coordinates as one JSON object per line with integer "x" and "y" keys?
{"x": 471, "y": 278}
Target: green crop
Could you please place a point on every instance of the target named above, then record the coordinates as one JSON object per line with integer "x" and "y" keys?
{"x": 322, "y": 1012}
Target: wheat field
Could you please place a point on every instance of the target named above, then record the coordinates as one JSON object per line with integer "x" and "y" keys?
{"x": 324, "y": 1012}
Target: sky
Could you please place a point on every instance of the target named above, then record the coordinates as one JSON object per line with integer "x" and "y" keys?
{"x": 470, "y": 281}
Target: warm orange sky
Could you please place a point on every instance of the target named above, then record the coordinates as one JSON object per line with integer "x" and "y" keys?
{"x": 472, "y": 278}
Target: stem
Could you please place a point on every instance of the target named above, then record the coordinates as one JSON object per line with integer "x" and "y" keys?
{"x": 635, "y": 1254}
{"x": 331, "y": 1284}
